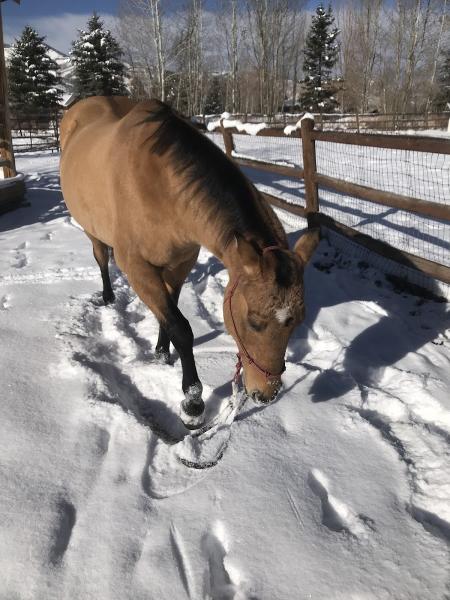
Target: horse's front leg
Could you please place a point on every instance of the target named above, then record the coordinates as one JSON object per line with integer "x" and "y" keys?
{"x": 148, "y": 283}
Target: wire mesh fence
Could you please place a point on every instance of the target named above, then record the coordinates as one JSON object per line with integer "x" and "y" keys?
{"x": 422, "y": 175}
{"x": 277, "y": 150}
{"x": 385, "y": 123}
{"x": 406, "y": 231}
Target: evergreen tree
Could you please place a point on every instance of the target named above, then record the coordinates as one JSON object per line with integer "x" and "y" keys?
{"x": 321, "y": 54}
{"x": 33, "y": 76}
{"x": 214, "y": 98}
{"x": 443, "y": 97}
{"x": 96, "y": 56}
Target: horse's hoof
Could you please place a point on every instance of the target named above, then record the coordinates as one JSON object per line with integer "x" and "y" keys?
{"x": 108, "y": 298}
{"x": 162, "y": 356}
{"x": 192, "y": 410}
{"x": 192, "y": 422}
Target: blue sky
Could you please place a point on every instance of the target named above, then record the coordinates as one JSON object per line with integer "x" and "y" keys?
{"x": 59, "y": 20}
{"x": 33, "y": 8}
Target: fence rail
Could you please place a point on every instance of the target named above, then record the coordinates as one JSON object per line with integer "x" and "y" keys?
{"x": 350, "y": 121}
{"x": 38, "y": 131}
{"x": 313, "y": 179}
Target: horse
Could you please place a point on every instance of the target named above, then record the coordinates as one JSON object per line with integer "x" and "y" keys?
{"x": 142, "y": 180}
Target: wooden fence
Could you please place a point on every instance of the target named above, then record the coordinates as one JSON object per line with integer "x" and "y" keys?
{"x": 383, "y": 122}
{"x": 313, "y": 179}
{"x": 39, "y": 131}
{"x": 360, "y": 122}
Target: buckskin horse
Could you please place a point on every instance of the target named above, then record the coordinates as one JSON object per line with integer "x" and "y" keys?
{"x": 142, "y": 180}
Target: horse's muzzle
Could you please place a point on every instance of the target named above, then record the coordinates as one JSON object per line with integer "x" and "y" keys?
{"x": 259, "y": 398}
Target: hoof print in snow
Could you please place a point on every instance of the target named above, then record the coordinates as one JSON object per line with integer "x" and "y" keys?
{"x": 5, "y": 302}
{"x": 101, "y": 438}
{"x": 62, "y": 531}
{"x": 336, "y": 515}
{"x": 23, "y": 246}
{"x": 221, "y": 582}
{"x": 431, "y": 521}
{"x": 20, "y": 260}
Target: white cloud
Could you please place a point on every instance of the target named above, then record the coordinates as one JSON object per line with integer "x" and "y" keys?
{"x": 59, "y": 30}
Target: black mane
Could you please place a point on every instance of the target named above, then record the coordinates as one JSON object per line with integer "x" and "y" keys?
{"x": 227, "y": 193}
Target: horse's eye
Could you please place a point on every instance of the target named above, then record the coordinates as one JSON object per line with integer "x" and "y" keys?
{"x": 289, "y": 321}
{"x": 256, "y": 323}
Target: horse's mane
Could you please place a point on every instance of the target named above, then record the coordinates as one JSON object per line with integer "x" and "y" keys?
{"x": 228, "y": 198}
{"x": 205, "y": 169}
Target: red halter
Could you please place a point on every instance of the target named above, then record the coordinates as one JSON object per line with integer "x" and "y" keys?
{"x": 267, "y": 374}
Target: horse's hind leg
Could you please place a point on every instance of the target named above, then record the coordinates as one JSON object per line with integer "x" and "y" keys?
{"x": 101, "y": 255}
{"x": 162, "y": 350}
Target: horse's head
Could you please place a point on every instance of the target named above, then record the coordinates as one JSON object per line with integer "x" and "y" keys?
{"x": 263, "y": 303}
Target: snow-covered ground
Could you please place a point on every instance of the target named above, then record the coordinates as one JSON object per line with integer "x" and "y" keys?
{"x": 339, "y": 490}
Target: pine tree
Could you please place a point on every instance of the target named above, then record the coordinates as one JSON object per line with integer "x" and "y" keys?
{"x": 321, "y": 54}
{"x": 33, "y": 76}
{"x": 96, "y": 56}
{"x": 443, "y": 97}
{"x": 214, "y": 98}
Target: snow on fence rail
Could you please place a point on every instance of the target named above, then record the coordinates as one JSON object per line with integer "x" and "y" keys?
{"x": 389, "y": 194}
{"x": 388, "y": 122}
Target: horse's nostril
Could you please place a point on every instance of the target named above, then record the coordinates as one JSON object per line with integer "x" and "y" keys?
{"x": 259, "y": 398}
{"x": 256, "y": 396}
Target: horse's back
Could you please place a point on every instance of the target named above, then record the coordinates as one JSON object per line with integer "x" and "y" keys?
{"x": 93, "y": 113}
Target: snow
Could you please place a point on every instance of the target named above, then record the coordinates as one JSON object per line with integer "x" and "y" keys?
{"x": 10, "y": 180}
{"x": 291, "y": 128}
{"x": 340, "y": 489}
{"x": 250, "y": 128}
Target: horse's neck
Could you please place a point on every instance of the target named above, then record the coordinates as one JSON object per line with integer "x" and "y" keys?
{"x": 210, "y": 235}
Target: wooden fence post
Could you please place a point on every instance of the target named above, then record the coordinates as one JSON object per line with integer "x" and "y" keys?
{"x": 309, "y": 168}
{"x": 6, "y": 148}
{"x": 227, "y": 139}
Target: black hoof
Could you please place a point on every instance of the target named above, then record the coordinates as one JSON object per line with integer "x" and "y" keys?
{"x": 162, "y": 356}
{"x": 108, "y": 298}
{"x": 192, "y": 413}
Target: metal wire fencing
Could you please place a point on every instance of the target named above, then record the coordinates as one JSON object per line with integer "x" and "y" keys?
{"x": 415, "y": 174}
{"x": 421, "y": 175}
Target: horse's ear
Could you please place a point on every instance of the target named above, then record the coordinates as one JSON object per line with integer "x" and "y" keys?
{"x": 247, "y": 257}
{"x": 307, "y": 243}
